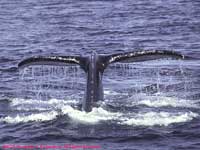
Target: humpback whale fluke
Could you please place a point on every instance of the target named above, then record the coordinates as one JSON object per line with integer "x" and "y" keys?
{"x": 94, "y": 66}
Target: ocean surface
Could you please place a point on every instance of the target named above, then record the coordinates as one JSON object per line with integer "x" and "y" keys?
{"x": 152, "y": 105}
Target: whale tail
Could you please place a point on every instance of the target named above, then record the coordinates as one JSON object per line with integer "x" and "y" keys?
{"x": 95, "y": 65}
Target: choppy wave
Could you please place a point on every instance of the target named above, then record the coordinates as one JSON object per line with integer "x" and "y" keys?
{"x": 33, "y": 117}
{"x": 95, "y": 116}
{"x": 159, "y": 118}
{"x": 161, "y": 101}
{"x": 151, "y": 118}
{"x": 29, "y": 104}
{"x": 156, "y": 100}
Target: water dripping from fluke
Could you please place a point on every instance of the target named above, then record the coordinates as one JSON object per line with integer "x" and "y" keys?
{"x": 93, "y": 67}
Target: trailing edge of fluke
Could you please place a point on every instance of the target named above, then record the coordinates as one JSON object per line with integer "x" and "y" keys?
{"x": 94, "y": 66}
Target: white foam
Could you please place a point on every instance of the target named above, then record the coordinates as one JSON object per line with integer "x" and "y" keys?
{"x": 93, "y": 117}
{"x": 161, "y": 101}
{"x": 158, "y": 118}
{"x": 114, "y": 93}
{"x": 99, "y": 114}
{"x": 18, "y": 101}
{"x": 132, "y": 119}
{"x": 29, "y": 104}
{"x": 33, "y": 117}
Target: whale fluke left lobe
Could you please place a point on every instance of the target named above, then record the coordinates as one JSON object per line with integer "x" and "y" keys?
{"x": 54, "y": 60}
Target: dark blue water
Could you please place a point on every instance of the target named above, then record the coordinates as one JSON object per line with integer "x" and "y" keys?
{"x": 148, "y": 106}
